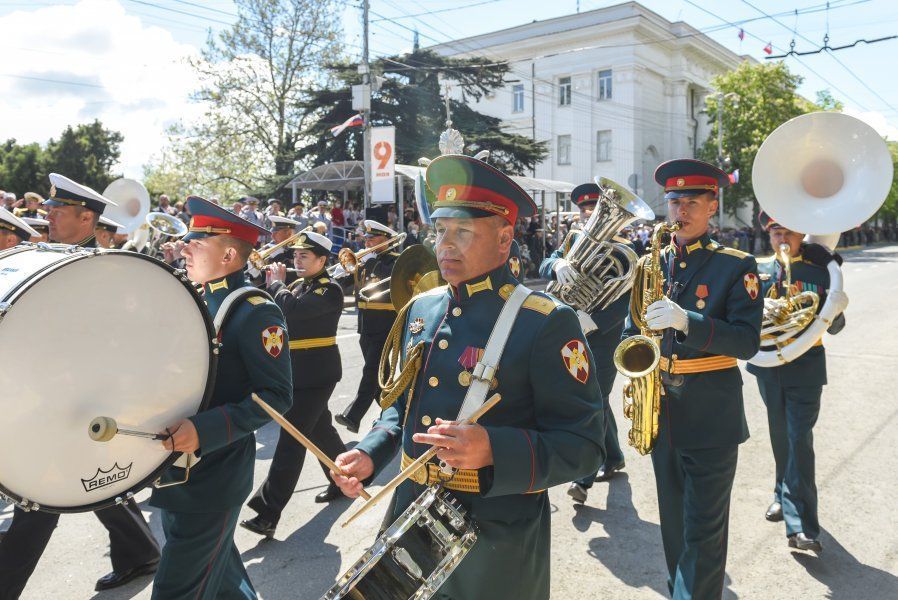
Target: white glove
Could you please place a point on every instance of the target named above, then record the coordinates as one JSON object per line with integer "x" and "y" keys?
{"x": 564, "y": 272}
{"x": 666, "y": 313}
{"x": 586, "y": 322}
{"x": 339, "y": 271}
{"x": 839, "y": 299}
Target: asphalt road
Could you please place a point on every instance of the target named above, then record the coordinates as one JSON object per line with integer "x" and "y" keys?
{"x": 611, "y": 547}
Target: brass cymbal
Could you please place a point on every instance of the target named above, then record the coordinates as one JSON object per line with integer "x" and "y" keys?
{"x": 415, "y": 271}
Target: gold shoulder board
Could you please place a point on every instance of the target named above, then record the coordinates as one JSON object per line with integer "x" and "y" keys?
{"x": 539, "y": 304}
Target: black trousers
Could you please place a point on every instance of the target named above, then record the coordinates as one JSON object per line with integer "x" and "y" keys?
{"x": 131, "y": 543}
{"x": 311, "y": 416}
{"x": 369, "y": 388}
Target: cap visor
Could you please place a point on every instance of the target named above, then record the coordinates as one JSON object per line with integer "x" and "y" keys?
{"x": 52, "y": 202}
{"x": 684, "y": 194}
{"x": 457, "y": 212}
{"x": 195, "y": 235}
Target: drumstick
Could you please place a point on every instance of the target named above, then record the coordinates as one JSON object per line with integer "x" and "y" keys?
{"x": 299, "y": 437}
{"x": 418, "y": 463}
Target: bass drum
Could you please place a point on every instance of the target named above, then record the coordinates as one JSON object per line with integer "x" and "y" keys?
{"x": 87, "y": 333}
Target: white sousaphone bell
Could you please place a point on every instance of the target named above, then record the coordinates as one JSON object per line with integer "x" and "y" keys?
{"x": 821, "y": 174}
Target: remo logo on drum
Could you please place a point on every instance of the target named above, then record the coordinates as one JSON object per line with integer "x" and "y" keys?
{"x": 103, "y": 478}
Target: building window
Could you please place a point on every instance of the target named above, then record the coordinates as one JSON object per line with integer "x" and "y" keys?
{"x": 604, "y": 88}
{"x": 564, "y": 91}
{"x": 517, "y": 98}
{"x": 564, "y": 149}
{"x": 603, "y": 145}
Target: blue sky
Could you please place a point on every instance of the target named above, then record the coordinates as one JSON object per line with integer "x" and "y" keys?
{"x": 132, "y": 45}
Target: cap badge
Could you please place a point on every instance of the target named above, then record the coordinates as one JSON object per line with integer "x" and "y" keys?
{"x": 681, "y": 182}
{"x": 52, "y": 191}
{"x": 302, "y": 239}
{"x": 416, "y": 326}
{"x": 451, "y": 193}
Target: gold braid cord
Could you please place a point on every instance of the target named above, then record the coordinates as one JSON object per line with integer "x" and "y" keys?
{"x": 393, "y": 384}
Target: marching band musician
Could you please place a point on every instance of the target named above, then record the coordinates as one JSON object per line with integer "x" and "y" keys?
{"x": 791, "y": 392}
{"x": 710, "y": 315}
{"x": 199, "y": 559}
{"x": 32, "y": 207}
{"x": 74, "y": 211}
{"x": 545, "y": 430}
{"x": 41, "y": 226}
{"x": 14, "y": 230}
{"x": 313, "y": 311}
{"x": 105, "y": 232}
{"x": 282, "y": 228}
{"x": 603, "y": 340}
{"x": 375, "y": 317}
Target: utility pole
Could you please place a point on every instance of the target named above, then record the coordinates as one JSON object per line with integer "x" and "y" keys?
{"x": 720, "y": 101}
{"x": 365, "y": 71}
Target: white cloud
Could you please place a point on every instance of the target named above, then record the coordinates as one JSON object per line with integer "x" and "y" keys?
{"x": 877, "y": 121}
{"x": 131, "y": 76}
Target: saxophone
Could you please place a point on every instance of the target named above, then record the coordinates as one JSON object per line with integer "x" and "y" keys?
{"x": 639, "y": 356}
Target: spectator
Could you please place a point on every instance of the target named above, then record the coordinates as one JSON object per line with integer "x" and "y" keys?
{"x": 164, "y": 204}
{"x": 181, "y": 213}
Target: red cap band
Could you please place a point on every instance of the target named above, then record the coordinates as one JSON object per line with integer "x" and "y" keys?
{"x": 215, "y": 226}
{"x": 464, "y": 196}
{"x": 691, "y": 182}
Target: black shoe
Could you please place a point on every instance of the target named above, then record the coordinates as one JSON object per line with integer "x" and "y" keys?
{"x": 800, "y": 541}
{"x": 329, "y": 495}
{"x": 774, "y": 512}
{"x": 577, "y": 492}
{"x": 116, "y": 579}
{"x": 346, "y": 422}
{"x": 260, "y": 526}
{"x": 605, "y": 472}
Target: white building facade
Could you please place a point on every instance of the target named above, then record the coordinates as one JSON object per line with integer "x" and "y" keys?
{"x": 614, "y": 92}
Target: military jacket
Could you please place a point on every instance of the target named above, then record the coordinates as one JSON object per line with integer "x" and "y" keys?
{"x": 810, "y": 367}
{"x": 720, "y": 290}
{"x": 253, "y": 357}
{"x": 376, "y": 316}
{"x": 312, "y": 309}
{"x": 88, "y": 242}
{"x": 547, "y": 429}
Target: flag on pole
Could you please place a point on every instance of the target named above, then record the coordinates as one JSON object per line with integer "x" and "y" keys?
{"x": 741, "y": 34}
{"x": 423, "y": 199}
{"x": 734, "y": 176}
{"x": 353, "y": 121}
{"x": 768, "y": 49}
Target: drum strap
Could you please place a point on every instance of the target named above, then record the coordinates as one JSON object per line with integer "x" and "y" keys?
{"x": 232, "y": 301}
{"x": 485, "y": 370}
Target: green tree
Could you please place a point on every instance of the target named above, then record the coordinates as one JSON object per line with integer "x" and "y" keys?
{"x": 86, "y": 154}
{"x": 889, "y": 210}
{"x": 411, "y": 99}
{"x": 758, "y": 99}
{"x": 22, "y": 168}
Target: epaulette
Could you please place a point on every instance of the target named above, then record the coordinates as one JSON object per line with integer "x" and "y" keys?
{"x": 254, "y": 300}
{"x": 19, "y": 211}
{"x": 767, "y": 259}
{"x": 323, "y": 280}
{"x": 719, "y": 249}
{"x": 540, "y": 304}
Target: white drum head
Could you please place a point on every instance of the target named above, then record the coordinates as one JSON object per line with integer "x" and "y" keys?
{"x": 113, "y": 335}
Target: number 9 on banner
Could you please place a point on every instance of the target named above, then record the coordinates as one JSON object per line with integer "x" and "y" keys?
{"x": 383, "y": 150}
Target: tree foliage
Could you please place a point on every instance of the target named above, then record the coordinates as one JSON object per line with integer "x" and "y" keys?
{"x": 411, "y": 99}
{"x": 889, "y": 209}
{"x": 85, "y": 153}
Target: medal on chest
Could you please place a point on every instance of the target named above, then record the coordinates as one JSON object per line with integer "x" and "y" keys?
{"x": 701, "y": 292}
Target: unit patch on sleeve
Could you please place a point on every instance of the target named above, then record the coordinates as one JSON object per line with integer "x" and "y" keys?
{"x": 752, "y": 285}
{"x": 273, "y": 340}
{"x": 576, "y": 360}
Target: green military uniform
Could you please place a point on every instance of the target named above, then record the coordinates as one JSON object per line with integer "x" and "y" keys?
{"x": 199, "y": 559}
{"x": 547, "y": 428}
{"x": 791, "y": 393}
{"x": 702, "y": 420}
{"x": 602, "y": 342}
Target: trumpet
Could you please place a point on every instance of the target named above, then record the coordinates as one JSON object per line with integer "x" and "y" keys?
{"x": 350, "y": 260}
{"x": 258, "y": 259}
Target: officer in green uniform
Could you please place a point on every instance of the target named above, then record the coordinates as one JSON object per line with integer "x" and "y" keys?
{"x": 603, "y": 340}
{"x": 546, "y": 429}
{"x": 74, "y": 211}
{"x": 792, "y": 391}
{"x": 312, "y": 309}
{"x": 710, "y": 315}
{"x": 199, "y": 559}
{"x": 375, "y": 317}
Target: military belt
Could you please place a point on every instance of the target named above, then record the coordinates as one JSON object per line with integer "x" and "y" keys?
{"x": 308, "y": 343}
{"x": 376, "y": 305}
{"x": 697, "y": 365}
{"x": 462, "y": 480}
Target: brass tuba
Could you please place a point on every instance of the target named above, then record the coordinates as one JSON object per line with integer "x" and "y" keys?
{"x": 639, "y": 356}
{"x": 820, "y": 173}
{"x": 604, "y": 266}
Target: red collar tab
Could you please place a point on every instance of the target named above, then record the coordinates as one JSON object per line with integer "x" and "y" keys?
{"x": 690, "y": 182}
{"x": 216, "y": 226}
{"x": 466, "y": 196}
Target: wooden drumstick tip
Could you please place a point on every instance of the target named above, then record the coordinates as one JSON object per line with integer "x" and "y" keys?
{"x": 102, "y": 429}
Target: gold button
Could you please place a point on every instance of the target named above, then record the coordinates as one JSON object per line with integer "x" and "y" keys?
{"x": 683, "y": 265}
{"x": 433, "y": 381}
{"x": 456, "y": 312}
{"x": 443, "y": 344}
{"x": 426, "y": 421}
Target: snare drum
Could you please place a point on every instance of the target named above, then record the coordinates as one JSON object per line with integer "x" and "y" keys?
{"x": 414, "y": 556}
{"x": 88, "y": 333}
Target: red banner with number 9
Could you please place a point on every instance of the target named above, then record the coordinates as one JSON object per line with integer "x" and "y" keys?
{"x": 382, "y": 152}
